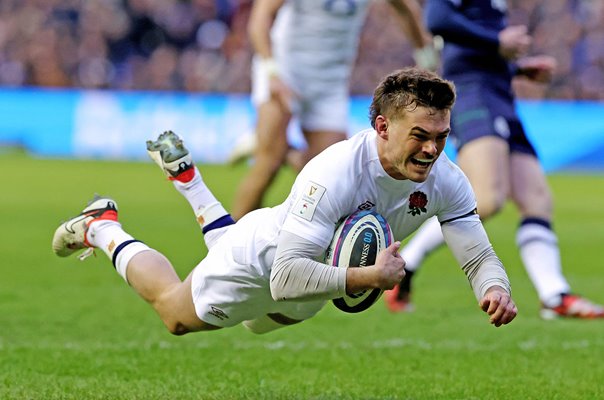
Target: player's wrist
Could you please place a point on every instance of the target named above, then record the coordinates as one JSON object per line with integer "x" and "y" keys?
{"x": 269, "y": 67}
{"x": 359, "y": 279}
{"x": 428, "y": 56}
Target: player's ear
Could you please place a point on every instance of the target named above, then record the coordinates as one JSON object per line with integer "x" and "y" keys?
{"x": 381, "y": 126}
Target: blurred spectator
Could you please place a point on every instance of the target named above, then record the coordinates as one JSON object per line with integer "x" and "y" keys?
{"x": 202, "y": 45}
{"x": 123, "y": 44}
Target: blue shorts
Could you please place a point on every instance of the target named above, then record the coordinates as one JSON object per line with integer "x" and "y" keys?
{"x": 486, "y": 108}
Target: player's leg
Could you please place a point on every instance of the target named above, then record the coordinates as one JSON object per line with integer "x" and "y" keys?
{"x": 317, "y": 141}
{"x": 171, "y": 155}
{"x": 152, "y": 276}
{"x": 482, "y": 130}
{"x": 324, "y": 118}
{"x": 427, "y": 239}
{"x": 269, "y": 155}
{"x": 485, "y": 161}
{"x": 148, "y": 272}
{"x": 271, "y": 140}
{"x": 538, "y": 243}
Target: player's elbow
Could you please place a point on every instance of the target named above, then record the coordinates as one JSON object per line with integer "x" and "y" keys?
{"x": 177, "y": 329}
{"x": 280, "y": 276}
{"x": 278, "y": 291}
{"x": 281, "y": 290}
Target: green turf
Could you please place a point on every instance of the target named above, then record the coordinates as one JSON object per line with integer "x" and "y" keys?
{"x": 74, "y": 330}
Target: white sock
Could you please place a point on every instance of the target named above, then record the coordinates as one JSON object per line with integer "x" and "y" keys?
{"x": 540, "y": 254}
{"x": 206, "y": 207}
{"x": 428, "y": 238}
{"x": 110, "y": 237}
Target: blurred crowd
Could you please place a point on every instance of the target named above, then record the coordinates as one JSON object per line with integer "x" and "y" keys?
{"x": 202, "y": 45}
{"x": 196, "y": 45}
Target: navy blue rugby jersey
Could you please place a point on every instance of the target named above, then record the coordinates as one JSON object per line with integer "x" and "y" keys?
{"x": 470, "y": 30}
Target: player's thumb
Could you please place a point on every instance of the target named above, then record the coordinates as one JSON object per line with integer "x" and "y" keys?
{"x": 394, "y": 247}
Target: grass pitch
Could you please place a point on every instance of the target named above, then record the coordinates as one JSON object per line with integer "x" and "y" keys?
{"x": 74, "y": 330}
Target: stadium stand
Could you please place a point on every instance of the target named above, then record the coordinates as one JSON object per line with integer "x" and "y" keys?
{"x": 202, "y": 46}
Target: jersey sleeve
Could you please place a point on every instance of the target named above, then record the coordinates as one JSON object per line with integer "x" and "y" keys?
{"x": 444, "y": 18}
{"x": 458, "y": 197}
{"x": 296, "y": 275}
{"x": 471, "y": 248}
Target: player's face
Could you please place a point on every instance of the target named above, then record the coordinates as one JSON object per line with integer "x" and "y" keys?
{"x": 412, "y": 142}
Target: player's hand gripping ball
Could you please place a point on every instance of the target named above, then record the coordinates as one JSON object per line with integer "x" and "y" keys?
{"x": 356, "y": 243}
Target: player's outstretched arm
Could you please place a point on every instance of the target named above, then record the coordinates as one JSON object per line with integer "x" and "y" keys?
{"x": 498, "y": 304}
{"x": 410, "y": 16}
{"x": 471, "y": 247}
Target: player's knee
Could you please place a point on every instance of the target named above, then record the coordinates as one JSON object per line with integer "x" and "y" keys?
{"x": 176, "y": 328}
{"x": 540, "y": 204}
{"x": 488, "y": 211}
{"x": 268, "y": 165}
{"x": 491, "y": 204}
{"x": 175, "y": 309}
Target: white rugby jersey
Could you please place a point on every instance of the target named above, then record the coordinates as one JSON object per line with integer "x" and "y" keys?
{"x": 317, "y": 40}
{"x": 349, "y": 176}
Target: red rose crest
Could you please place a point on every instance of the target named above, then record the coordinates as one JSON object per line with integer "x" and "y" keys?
{"x": 417, "y": 203}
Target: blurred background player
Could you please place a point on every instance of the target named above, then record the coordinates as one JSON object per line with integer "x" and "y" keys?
{"x": 482, "y": 55}
{"x": 304, "y": 54}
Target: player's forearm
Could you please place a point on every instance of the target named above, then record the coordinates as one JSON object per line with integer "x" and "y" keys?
{"x": 485, "y": 272}
{"x": 305, "y": 279}
{"x": 470, "y": 245}
{"x": 260, "y": 24}
{"x": 359, "y": 279}
{"x": 410, "y": 15}
{"x": 260, "y": 40}
{"x": 295, "y": 275}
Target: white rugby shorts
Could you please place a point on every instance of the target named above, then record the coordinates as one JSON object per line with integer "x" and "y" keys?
{"x": 229, "y": 286}
{"x": 317, "y": 106}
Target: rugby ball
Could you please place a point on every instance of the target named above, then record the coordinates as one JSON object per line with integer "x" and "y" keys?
{"x": 356, "y": 242}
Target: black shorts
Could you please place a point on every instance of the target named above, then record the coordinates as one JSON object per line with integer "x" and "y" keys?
{"x": 486, "y": 108}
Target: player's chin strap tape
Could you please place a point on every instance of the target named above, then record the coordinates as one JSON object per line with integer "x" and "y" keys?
{"x": 120, "y": 248}
{"x": 474, "y": 211}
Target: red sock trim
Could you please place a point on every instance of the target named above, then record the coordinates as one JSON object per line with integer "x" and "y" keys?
{"x": 185, "y": 176}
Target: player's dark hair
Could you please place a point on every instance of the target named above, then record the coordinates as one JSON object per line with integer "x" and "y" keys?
{"x": 408, "y": 88}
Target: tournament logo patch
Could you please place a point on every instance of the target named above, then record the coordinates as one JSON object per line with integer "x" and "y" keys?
{"x": 417, "y": 203}
{"x": 307, "y": 203}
